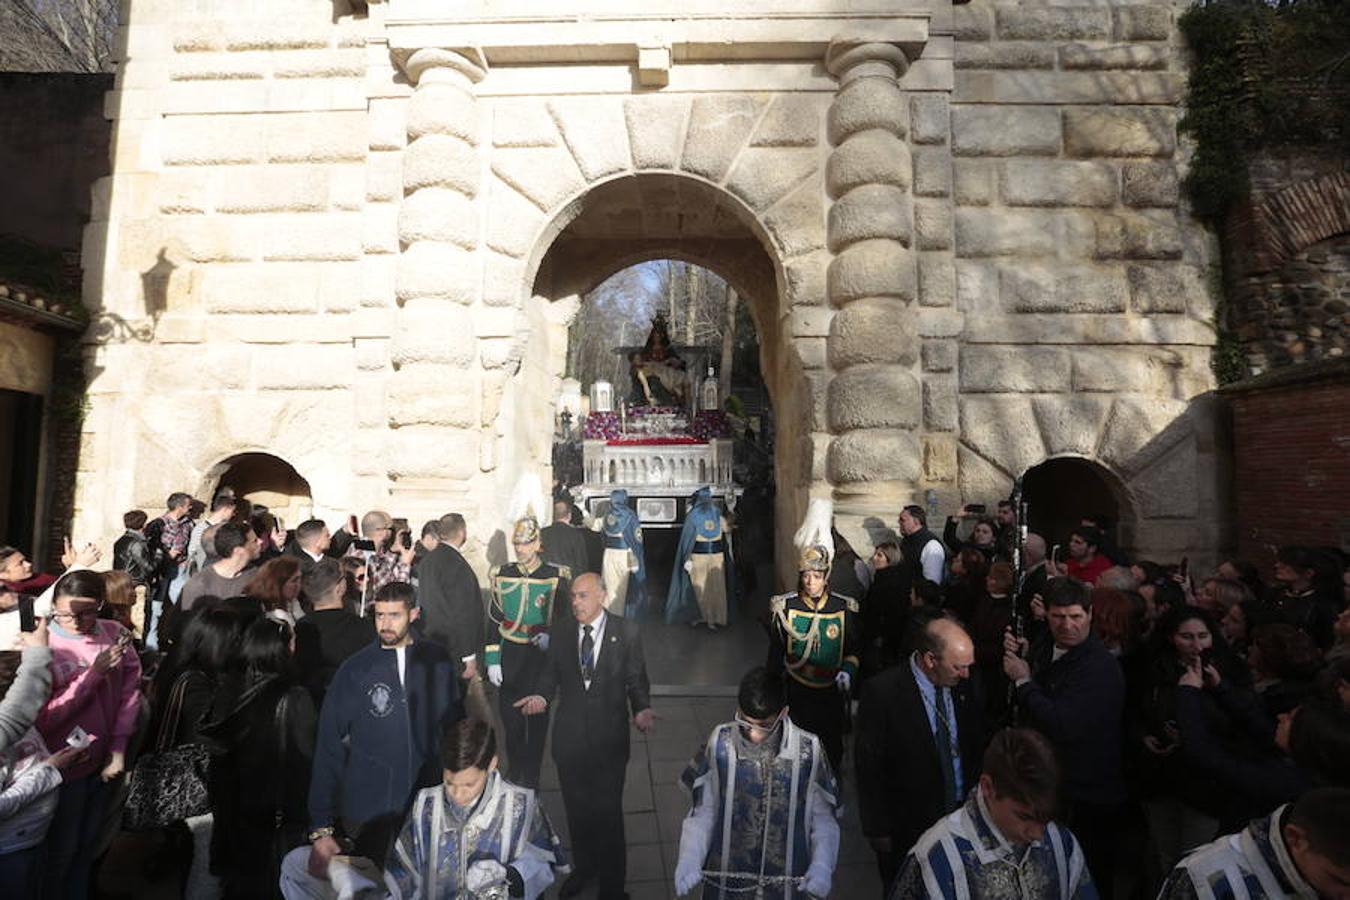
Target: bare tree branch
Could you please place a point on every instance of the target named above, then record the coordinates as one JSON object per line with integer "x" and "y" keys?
{"x": 58, "y": 35}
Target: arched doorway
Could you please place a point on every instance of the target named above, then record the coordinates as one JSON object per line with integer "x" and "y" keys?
{"x": 263, "y": 480}
{"x": 687, "y": 225}
{"x": 1060, "y": 492}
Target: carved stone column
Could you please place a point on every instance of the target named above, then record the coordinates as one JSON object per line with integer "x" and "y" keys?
{"x": 874, "y": 398}
{"x": 432, "y": 395}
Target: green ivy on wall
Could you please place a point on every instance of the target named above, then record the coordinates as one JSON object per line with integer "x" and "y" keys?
{"x": 1263, "y": 74}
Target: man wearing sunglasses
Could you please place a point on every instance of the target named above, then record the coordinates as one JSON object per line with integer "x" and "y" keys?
{"x": 764, "y": 816}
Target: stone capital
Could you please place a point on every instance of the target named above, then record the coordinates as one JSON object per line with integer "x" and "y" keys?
{"x": 428, "y": 64}
{"x": 849, "y": 58}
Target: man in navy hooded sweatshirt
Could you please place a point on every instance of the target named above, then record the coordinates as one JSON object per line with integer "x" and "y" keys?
{"x": 377, "y": 740}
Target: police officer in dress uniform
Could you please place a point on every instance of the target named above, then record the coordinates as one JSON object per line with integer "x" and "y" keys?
{"x": 815, "y": 640}
{"x": 525, "y": 609}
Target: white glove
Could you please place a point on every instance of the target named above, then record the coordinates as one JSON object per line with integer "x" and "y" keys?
{"x": 540, "y": 640}
{"x": 354, "y": 878}
{"x": 844, "y": 681}
{"x": 688, "y": 874}
{"x": 495, "y": 674}
{"x": 484, "y": 873}
{"x": 689, "y": 565}
{"x": 817, "y": 881}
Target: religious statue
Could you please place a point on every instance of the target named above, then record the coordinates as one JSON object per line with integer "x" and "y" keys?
{"x": 658, "y": 373}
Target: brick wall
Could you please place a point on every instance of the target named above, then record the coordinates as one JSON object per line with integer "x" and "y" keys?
{"x": 1291, "y": 443}
{"x": 1287, "y": 251}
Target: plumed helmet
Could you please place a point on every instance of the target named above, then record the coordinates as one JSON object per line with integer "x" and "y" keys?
{"x": 814, "y": 558}
{"x": 525, "y": 531}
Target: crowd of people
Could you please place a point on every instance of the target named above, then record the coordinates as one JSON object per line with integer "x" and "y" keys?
{"x": 317, "y": 713}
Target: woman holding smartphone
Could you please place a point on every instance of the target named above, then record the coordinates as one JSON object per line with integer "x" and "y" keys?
{"x": 1184, "y": 803}
{"x": 96, "y": 688}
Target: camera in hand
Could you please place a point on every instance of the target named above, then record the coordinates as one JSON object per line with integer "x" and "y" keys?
{"x": 363, "y": 544}
{"x": 976, "y": 508}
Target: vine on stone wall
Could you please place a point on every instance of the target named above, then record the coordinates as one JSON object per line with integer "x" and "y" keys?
{"x": 1264, "y": 74}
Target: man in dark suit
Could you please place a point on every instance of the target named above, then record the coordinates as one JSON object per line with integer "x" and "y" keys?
{"x": 564, "y": 544}
{"x": 596, "y": 667}
{"x": 450, "y": 600}
{"x": 919, "y": 742}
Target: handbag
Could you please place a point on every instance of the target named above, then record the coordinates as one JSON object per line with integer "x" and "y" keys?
{"x": 168, "y": 785}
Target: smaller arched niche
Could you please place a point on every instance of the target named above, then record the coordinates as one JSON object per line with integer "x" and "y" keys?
{"x": 1060, "y": 492}
{"x": 266, "y": 480}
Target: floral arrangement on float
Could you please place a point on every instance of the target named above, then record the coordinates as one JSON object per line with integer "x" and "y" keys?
{"x": 652, "y": 425}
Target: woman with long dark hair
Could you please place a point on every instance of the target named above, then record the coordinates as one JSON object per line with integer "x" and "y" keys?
{"x": 186, "y": 683}
{"x": 1185, "y": 805}
{"x": 264, "y": 722}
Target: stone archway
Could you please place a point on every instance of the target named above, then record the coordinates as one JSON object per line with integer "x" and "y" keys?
{"x": 817, "y": 182}
{"x": 636, "y": 218}
{"x": 1061, "y": 491}
{"x": 262, "y": 479}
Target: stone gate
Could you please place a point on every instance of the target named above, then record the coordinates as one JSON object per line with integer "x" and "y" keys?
{"x": 353, "y": 239}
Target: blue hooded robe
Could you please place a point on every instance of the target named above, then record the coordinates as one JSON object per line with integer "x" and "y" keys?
{"x": 703, "y": 516}
{"x": 623, "y": 530}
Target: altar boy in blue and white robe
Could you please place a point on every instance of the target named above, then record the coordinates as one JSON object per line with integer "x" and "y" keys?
{"x": 765, "y": 805}
{"x": 1002, "y": 844}
{"x": 474, "y": 833}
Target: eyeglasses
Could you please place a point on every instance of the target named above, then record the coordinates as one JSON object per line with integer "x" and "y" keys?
{"x": 74, "y": 616}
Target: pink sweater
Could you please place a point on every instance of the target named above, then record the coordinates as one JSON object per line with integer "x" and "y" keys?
{"x": 105, "y": 705}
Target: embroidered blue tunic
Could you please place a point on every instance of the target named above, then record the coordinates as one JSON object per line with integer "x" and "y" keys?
{"x": 964, "y": 857}
{"x": 760, "y": 821}
{"x": 436, "y": 846}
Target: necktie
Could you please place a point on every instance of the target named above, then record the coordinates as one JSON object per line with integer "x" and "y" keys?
{"x": 943, "y": 737}
{"x": 587, "y": 654}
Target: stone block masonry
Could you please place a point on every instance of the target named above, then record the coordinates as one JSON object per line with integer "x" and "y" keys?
{"x": 963, "y": 239}
{"x": 1079, "y": 278}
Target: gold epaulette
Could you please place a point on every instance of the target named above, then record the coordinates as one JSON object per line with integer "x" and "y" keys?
{"x": 849, "y": 602}
{"x": 778, "y": 604}
{"x": 563, "y": 571}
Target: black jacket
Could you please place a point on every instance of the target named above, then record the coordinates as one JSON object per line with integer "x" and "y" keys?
{"x": 593, "y": 725}
{"x": 259, "y": 782}
{"x": 1250, "y": 784}
{"x": 900, "y": 788}
{"x": 451, "y": 603}
{"x": 885, "y": 613}
{"x": 323, "y": 641}
{"x": 1078, "y": 702}
{"x": 133, "y": 554}
{"x": 564, "y": 545}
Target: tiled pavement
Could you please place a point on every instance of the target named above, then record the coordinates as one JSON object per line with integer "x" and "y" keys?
{"x": 654, "y": 804}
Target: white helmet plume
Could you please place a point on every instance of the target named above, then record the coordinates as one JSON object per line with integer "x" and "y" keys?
{"x": 528, "y": 499}
{"x": 817, "y": 527}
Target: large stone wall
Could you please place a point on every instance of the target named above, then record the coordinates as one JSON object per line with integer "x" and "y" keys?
{"x": 1087, "y": 322}
{"x": 355, "y": 242}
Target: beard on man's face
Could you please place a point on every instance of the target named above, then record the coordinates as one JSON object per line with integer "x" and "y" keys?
{"x": 389, "y": 637}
